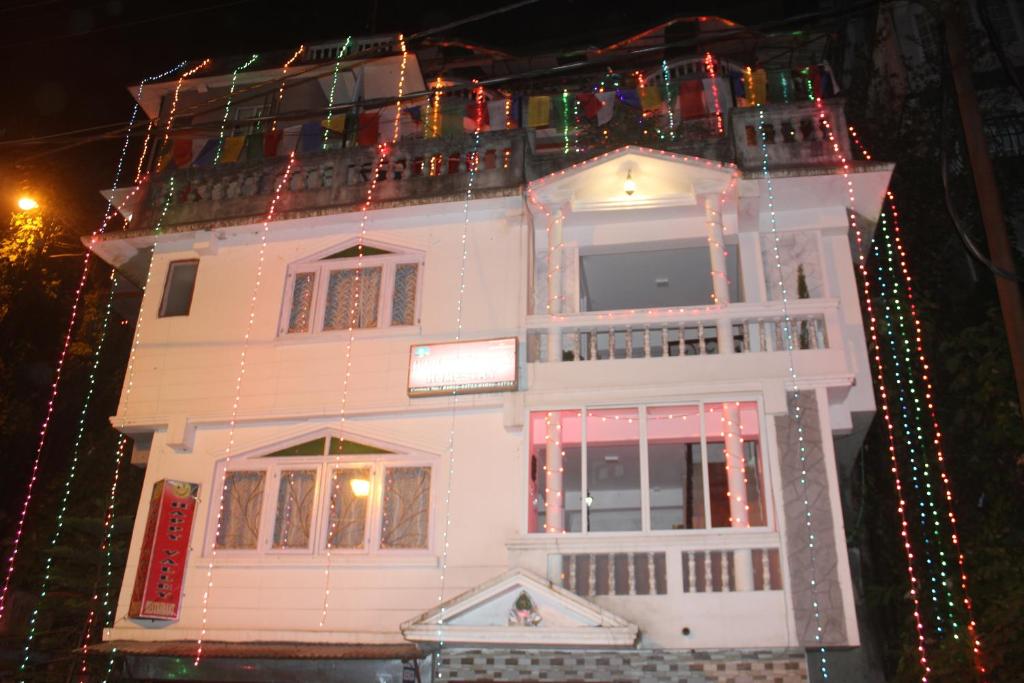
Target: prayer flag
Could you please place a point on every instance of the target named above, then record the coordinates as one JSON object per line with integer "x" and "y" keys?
{"x": 369, "y": 123}
{"x": 334, "y": 123}
{"x": 232, "y": 149}
{"x": 271, "y": 141}
{"x": 204, "y": 152}
{"x": 311, "y": 137}
{"x": 629, "y": 98}
{"x": 538, "y": 111}
{"x": 607, "y": 100}
{"x": 691, "y": 99}
{"x": 650, "y": 98}
{"x": 760, "y": 80}
{"x": 181, "y": 152}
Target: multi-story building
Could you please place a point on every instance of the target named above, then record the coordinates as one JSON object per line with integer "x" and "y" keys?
{"x": 544, "y": 430}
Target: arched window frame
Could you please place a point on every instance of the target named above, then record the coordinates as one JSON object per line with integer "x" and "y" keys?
{"x": 275, "y": 467}
{"x": 317, "y": 269}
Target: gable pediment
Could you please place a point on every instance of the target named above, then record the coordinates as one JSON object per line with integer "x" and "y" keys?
{"x": 657, "y": 178}
{"x": 521, "y": 608}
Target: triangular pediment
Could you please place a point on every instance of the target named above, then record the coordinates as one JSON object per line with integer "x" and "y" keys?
{"x": 521, "y": 608}
{"x": 656, "y": 178}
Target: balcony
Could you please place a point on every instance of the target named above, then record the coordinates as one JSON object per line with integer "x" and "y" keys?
{"x": 685, "y": 344}
{"x": 793, "y": 134}
{"x": 416, "y": 171}
{"x": 688, "y": 589}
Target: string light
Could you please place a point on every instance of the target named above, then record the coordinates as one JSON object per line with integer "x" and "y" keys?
{"x": 233, "y": 421}
{"x": 797, "y": 414}
{"x": 464, "y": 243}
{"x": 668, "y": 100}
{"x": 342, "y": 51}
{"x": 62, "y": 356}
{"x": 565, "y": 120}
{"x": 709, "y": 66}
{"x": 227, "y": 105}
{"x": 284, "y": 81}
{"x": 886, "y": 409}
{"x": 174, "y": 102}
{"x": 894, "y": 241}
{"x": 355, "y": 309}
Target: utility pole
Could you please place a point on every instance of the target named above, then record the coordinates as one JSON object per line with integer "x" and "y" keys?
{"x": 1010, "y": 300}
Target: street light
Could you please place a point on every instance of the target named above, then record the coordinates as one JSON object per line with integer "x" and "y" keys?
{"x": 26, "y": 203}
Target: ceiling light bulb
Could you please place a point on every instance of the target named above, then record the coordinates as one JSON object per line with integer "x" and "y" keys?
{"x": 27, "y": 204}
{"x": 630, "y": 185}
{"x": 360, "y": 487}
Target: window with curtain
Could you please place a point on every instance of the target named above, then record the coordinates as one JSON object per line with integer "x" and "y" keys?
{"x": 357, "y": 289}
{"x": 325, "y": 495}
{"x": 700, "y": 464}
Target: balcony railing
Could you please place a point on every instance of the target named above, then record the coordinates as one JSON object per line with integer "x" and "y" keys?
{"x": 665, "y": 333}
{"x": 734, "y": 561}
{"x": 415, "y": 170}
{"x": 794, "y": 135}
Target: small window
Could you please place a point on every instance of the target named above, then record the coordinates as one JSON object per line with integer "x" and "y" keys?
{"x": 181, "y": 283}
{"x": 239, "y": 526}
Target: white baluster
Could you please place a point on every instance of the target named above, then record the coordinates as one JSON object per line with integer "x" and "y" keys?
{"x": 592, "y": 576}
{"x": 576, "y": 345}
{"x": 691, "y": 567}
{"x": 766, "y": 570}
{"x": 593, "y": 344}
{"x": 647, "y": 342}
{"x": 701, "y": 348}
{"x": 664, "y": 341}
{"x": 652, "y": 575}
{"x": 629, "y": 341}
{"x": 572, "y": 573}
{"x": 631, "y": 572}
{"x": 709, "y": 582}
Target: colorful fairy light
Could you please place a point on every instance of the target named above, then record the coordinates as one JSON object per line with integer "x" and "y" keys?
{"x": 797, "y": 414}
{"x": 565, "y": 121}
{"x": 383, "y": 149}
{"x": 236, "y": 402}
{"x": 62, "y": 356}
{"x": 709, "y": 67}
{"x": 894, "y": 242}
{"x": 915, "y": 587}
{"x": 227, "y": 105}
{"x": 668, "y": 99}
{"x": 464, "y": 243}
{"x": 342, "y": 51}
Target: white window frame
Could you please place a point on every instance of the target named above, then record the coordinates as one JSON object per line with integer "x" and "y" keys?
{"x": 324, "y": 465}
{"x": 322, "y": 269}
{"x": 764, "y": 449}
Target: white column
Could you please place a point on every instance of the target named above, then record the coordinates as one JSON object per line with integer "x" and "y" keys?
{"x": 719, "y": 277}
{"x": 739, "y": 509}
{"x": 554, "y": 273}
{"x": 554, "y": 493}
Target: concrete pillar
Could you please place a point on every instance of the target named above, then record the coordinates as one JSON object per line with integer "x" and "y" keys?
{"x": 719, "y": 277}
{"x": 739, "y": 508}
{"x": 554, "y": 493}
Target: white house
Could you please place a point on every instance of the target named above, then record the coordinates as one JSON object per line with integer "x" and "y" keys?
{"x": 607, "y": 486}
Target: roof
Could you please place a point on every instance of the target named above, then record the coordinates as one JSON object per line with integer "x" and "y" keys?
{"x": 269, "y": 650}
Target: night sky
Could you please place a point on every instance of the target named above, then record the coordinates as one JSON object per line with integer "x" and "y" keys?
{"x": 67, "y": 64}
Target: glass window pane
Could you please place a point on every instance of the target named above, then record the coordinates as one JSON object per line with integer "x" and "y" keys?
{"x": 350, "y": 493}
{"x": 240, "y": 518}
{"x": 555, "y": 476}
{"x": 302, "y": 303}
{"x": 675, "y": 468}
{"x": 181, "y": 282}
{"x": 735, "y": 475}
{"x": 403, "y": 301}
{"x": 613, "y": 470}
{"x": 352, "y": 303}
{"x": 406, "y": 507}
{"x": 295, "y": 495}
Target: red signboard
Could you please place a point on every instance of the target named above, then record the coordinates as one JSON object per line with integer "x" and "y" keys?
{"x": 467, "y": 367}
{"x": 161, "y": 572}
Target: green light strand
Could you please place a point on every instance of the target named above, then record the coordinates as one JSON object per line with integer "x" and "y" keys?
{"x": 668, "y": 99}
{"x": 227, "y": 106}
{"x": 342, "y": 51}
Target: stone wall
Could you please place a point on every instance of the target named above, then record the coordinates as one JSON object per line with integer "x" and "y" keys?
{"x": 624, "y": 666}
{"x": 806, "y": 566}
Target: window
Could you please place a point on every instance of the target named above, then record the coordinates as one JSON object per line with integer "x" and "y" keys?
{"x": 181, "y": 283}
{"x": 649, "y": 468}
{"x": 325, "y": 495}
{"x": 343, "y": 291}
{"x": 652, "y": 275}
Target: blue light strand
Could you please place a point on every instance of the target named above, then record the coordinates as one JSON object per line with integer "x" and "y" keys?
{"x": 797, "y": 416}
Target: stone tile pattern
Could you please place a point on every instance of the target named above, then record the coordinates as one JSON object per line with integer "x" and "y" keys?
{"x": 624, "y": 666}
{"x": 795, "y": 249}
{"x": 798, "y": 552}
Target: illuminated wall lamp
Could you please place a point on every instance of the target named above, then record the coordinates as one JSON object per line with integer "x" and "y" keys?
{"x": 360, "y": 487}
{"x": 630, "y": 185}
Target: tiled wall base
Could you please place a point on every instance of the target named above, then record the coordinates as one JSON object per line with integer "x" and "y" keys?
{"x": 624, "y": 666}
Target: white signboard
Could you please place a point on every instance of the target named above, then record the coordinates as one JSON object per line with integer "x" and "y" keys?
{"x": 470, "y": 367}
